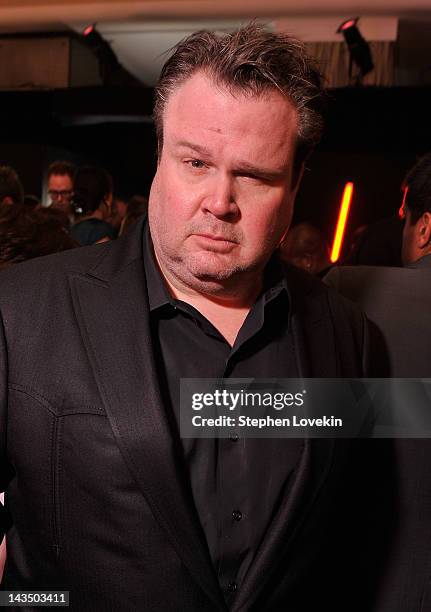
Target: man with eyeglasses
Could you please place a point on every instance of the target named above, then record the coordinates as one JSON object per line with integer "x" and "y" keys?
{"x": 60, "y": 186}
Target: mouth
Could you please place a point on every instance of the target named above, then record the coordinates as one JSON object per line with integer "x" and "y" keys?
{"x": 214, "y": 242}
{"x": 216, "y": 238}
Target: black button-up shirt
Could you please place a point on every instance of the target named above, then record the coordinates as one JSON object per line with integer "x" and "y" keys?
{"x": 237, "y": 484}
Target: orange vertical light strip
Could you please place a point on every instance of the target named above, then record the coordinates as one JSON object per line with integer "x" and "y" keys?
{"x": 402, "y": 210}
{"x": 342, "y": 221}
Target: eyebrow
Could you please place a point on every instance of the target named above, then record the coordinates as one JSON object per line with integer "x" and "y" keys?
{"x": 242, "y": 168}
{"x": 194, "y": 147}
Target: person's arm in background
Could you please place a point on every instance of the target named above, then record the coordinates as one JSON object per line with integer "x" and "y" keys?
{"x": 2, "y": 546}
{"x": 5, "y": 468}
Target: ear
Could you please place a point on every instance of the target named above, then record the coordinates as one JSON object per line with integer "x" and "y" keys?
{"x": 424, "y": 230}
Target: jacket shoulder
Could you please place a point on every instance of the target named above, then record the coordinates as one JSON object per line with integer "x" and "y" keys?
{"x": 49, "y": 268}
{"x": 317, "y": 290}
{"x": 54, "y": 270}
{"x": 342, "y": 326}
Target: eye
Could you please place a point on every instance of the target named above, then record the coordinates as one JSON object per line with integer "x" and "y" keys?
{"x": 250, "y": 176}
{"x": 196, "y": 163}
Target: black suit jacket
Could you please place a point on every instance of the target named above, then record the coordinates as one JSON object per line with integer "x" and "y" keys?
{"x": 398, "y": 302}
{"x": 96, "y": 495}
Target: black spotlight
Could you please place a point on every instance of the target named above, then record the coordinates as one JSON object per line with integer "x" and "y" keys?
{"x": 112, "y": 72}
{"x": 359, "y": 49}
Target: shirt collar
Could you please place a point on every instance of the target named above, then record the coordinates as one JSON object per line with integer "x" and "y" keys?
{"x": 158, "y": 295}
{"x": 274, "y": 280}
{"x": 423, "y": 262}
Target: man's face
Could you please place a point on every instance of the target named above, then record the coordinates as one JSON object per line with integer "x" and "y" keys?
{"x": 416, "y": 237}
{"x": 222, "y": 197}
{"x": 60, "y": 191}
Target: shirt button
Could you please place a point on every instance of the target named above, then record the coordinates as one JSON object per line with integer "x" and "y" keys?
{"x": 237, "y": 515}
{"x": 234, "y": 438}
{"x": 232, "y": 587}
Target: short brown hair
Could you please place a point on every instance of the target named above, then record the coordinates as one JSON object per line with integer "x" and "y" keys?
{"x": 10, "y": 185}
{"x": 92, "y": 185}
{"x": 25, "y": 234}
{"x": 418, "y": 182}
{"x": 253, "y": 61}
{"x": 63, "y": 168}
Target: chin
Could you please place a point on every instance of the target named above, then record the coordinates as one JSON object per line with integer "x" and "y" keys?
{"x": 208, "y": 274}
{"x": 209, "y": 268}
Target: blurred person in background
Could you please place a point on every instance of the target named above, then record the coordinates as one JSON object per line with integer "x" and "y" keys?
{"x": 92, "y": 203}
{"x": 137, "y": 206}
{"x": 25, "y": 234}
{"x": 2, "y": 546}
{"x": 11, "y": 190}
{"x": 397, "y": 302}
{"x": 60, "y": 187}
{"x": 306, "y": 248}
{"x": 31, "y": 202}
{"x": 118, "y": 212}
{"x": 416, "y": 214}
{"x": 398, "y": 299}
{"x": 378, "y": 244}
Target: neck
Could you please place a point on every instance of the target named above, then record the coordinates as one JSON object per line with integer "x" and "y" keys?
{"x": 226, "y": 310}
{"x": 227, "y": 315}
{"x": 418, "y": 260}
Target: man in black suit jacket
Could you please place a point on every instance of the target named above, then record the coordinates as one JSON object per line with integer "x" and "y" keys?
{"x": 397, "y": 301}
{"x": 103, "y": 497}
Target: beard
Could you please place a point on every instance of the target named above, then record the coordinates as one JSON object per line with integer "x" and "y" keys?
{"x": 203, "y": 271}
{"x": 213, "y": 274}
{"x": 201, "y": 266}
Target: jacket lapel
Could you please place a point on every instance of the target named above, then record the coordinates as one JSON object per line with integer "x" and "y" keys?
{"x": 316, "y": 358}
{"x": 111, "y": 307}
{"x": 314, "y": 466}
{"x": 312, "y": 330}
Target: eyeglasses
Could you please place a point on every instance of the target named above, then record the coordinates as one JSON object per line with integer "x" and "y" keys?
{"x": 56, "y": 195}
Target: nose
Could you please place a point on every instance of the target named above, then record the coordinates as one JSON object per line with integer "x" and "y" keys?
{"x": 220, "y": 199}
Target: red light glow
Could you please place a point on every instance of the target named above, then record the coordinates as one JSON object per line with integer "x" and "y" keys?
{"x": 402, "y": 210}
{"x": 88, "y": 30}
{"x": 348, "y": 24}
{"x": 342, "y": 221}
